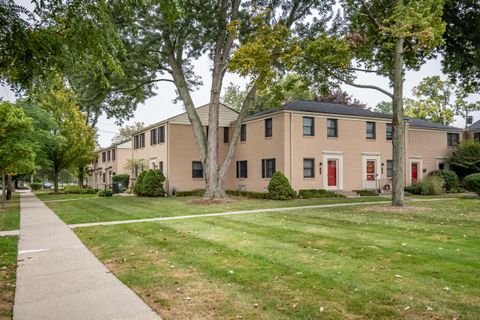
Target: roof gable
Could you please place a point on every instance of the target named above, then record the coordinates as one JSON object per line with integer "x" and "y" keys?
{"x": 474, "y": 126}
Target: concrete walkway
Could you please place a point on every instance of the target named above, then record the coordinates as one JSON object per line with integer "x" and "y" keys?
{"x": 58, "y": 278}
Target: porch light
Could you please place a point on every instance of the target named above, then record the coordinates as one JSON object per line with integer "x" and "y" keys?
{"x": 320, "y": 167}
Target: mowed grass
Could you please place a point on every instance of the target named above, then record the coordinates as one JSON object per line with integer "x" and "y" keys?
{"x": 332, "y": 263}
{"x": 10, "y": 216}
{"x": 49, "y": 195}
{"x": 132, "y": 207}
{"x": 8, "y": 266}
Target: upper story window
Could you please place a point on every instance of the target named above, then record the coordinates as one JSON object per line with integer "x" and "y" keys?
{"x": 142, "y": 140}
{"x": 108, "y": 155}
{"x": 139, "y": 141}
{"x": 389, "y": 132}
{"x": 371, "y": 130}
{"x": 104, "y": 156}
{"x": 136, "y": 139}
{"x": 389, "y": 168}
{"x": 308, "y": 126}
{"x": 332, "y": 128}
{"x": 226, "y": 134}
{"x": 476, "y": 136}
{"x": 153, "y": 136}
{"x": 268, "y": 168}
{"x": 114, "y": 154}
{"x": 161, "y": 134}
{"x": 308, "y": 168}
{"x": 197, "y": 169}
{"x": 452, "y": 139}
{"x": 242, "y": 169}
{"x": 268, "y": 127}
{"x": 243, "y": 132}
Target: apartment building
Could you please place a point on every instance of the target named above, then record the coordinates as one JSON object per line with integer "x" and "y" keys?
{"x": 109, "y": 162}
{"x": 316, "y": 145}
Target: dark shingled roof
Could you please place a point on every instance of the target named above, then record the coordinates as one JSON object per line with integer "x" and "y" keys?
{"x": 340, "y": 109}
{"x": 475, "y": 125}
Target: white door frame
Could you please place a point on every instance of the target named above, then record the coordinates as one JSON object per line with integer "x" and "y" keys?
{"x": 418, "y": 160}
{"x": 332, "y": 155}
{"x": 377, "y": 158}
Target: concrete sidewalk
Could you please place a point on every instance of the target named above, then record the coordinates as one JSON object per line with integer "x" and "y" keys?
{"x": 58, "y": 278}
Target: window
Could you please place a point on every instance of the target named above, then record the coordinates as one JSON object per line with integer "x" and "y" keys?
{"x": 161, "y": 134}
{"x": 370, "y": 130}
{"x": 308, "y": 168}
{"x": 243, "y": 133}
{"x": 114, "y": 154}
{"x": 452, "y": 139}
{"x": 389, "y": 133}
{"x": 153, "y": 137}
{"x": 142, "y": 140}
{"x": 226, "y": 135}
{"x": 268, "y": 168}
{"x": 136, "y": 142}
{"x": 441, "y": 166}
{"x": 160, "y": 166}
{"x": 197, "y": 169}
{"x": 268, "y": 127}
{"x": 389, "y": 168}
{"x": 242, "y": 169}
{"x": 308, "y": 126}
{"x": 476, "y": 136}
{"x": 108, "y": 155}
{"x": 103, "y": 177}
{"x": 104, "y": 156}
{"x": 332, "y": 128}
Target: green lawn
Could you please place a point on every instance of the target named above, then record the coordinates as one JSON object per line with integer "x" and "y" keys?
{"x": 10, "y": 217}
{"x": 49, "y": 195}
{"x": 127, "y": 208}
{"x": 333, "y": 263}
{"x": 8, "y": 263}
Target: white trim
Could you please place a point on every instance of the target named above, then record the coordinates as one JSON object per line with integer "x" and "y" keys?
{"x": 378, "y": 169}
{"x": 439, "y": 160}
{"x": 418, "y": 160}
{"x": 335, "y": 155}
{"x": 332, "y": 152}
{"x": 371, "y": 153}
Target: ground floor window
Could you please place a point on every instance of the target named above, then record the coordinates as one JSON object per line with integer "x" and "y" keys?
{"x": 308, "y": 168}
{"x": 242, "y": 169}
{"x": 389, "y": 168}
{"x": 160, "y": 166}
{"x": 268, "y": 168}
{"x": 197, "y": 169}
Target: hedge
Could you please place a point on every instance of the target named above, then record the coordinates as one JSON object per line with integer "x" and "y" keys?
{"x": 279, "y": 188}
{"x": 248, "y": 194}
{"x": 449, "y": 177}
{"x": 191, "y": 193}
{"x": 472, "y": 183}
{"x": 105, "y": 193}
{"x": 35, "y": 186}
{"x": 78, "y": 190}
{"x": 431, "y": 185}
{"x": 318, "y": 193}
{"x": 366, "y": 193}
{"x": 123, "y": 179}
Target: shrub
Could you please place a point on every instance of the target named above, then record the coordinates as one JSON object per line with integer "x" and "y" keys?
{"x": 197, "y": 192}
{"x": 248, "y": 194}
{"x": 432, "y": 185}
{"x": 35, "y": 186}
{"x": 72, "y": 189}
{"x": 366, "y": 193}
{"x": 318, "y": 193}
{"x": 152, "y": 184}
{"x": 465, "y": 158}
{"x": 105, "y": 193}
{"x": 279, "y": 188}
{"x": 472, "y": 183}
{"x": 450, "y": 179}
{"x": 137, "y": 189}
{"x": 123, "y": 179}
{"x": 415, "y": 188}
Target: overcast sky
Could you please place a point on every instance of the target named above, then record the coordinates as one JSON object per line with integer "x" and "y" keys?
{"x": 161, "y": 106}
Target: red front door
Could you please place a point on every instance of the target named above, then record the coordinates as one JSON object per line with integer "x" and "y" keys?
{"x": 332, "y": 173}
{"x": 414, "y": 171}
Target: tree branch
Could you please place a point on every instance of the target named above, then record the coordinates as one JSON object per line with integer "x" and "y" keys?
{"x": 370, "y": 15}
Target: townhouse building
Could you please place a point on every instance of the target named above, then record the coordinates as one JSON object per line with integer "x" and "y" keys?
{"x": 316, "y": 145}
{"x": 109, "y": 162}
{"x": 473, "y": 131}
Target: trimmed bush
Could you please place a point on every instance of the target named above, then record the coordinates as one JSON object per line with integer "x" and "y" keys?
{"x": 152, "y": 184}
{"x": 123, "y": 179}
{"x": 105, "y": 193}
{"x": 318, "y": 193}
{"x": 279, "y": 188}
{"x": 366, "y": 193}
{"x": 248, "y": 194}
{"x": 35, "y": 186}
{"x": 197, "y": 193}
{"x": 450, "y": 179}
{"x": 415, "y": 188}
{"x": 137, "y": 189}
{"x": 472, "y": 183}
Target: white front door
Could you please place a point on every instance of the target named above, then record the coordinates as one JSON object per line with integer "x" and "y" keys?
{"x": 371, "y": 172}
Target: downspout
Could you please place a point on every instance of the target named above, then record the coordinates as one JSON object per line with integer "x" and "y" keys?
{"x": 167, "y": 165}
{"x": 291, "y": 148}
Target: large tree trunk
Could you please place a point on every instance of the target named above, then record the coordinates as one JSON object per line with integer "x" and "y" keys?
{"x": 10, "y": 187}
{"x": 4, "y": 191}
{"x": 398, "y": 193}
{"x": 81, "y": 176}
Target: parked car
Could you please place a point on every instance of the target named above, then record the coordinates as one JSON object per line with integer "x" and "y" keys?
{"x": 47, "y": 185}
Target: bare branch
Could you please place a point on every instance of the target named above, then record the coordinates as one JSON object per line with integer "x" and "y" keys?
{"x": 370, "y": 15}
